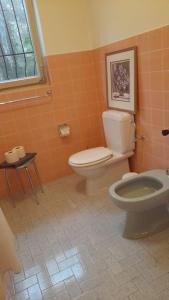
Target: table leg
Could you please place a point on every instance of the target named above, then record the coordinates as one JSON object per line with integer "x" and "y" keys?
{"x": 20, "y": 180}
{"x": 38, "y": 176}
{"x": 31, "y": 184}
{"x": 9, "y": 187}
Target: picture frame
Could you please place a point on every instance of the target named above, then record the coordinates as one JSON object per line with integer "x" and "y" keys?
{"x": 121, "y": 73}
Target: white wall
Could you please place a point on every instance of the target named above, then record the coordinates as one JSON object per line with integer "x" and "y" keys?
{"x": 77, "y": 25}
{"x": 113, "y": 20}
{"x": 65, "y": 25}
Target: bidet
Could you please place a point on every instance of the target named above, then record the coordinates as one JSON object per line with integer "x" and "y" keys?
{"x": 145, "y": 199}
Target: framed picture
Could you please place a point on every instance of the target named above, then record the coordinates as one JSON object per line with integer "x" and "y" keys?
{"x": 121, "y": 71}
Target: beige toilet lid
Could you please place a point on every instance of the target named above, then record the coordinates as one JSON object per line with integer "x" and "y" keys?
{"x": 90, "y": 156}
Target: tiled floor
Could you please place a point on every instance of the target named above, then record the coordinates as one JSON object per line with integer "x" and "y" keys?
{"x": 71, "y": 248}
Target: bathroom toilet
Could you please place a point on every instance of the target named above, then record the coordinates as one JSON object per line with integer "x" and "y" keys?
{"x": 101, "y": 166}
{"x": 144, "y": 198}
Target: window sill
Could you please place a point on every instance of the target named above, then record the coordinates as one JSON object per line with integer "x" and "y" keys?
{"x": 25, "y": 89}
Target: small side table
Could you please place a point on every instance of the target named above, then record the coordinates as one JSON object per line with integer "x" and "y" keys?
{"x": 23, "y": 163}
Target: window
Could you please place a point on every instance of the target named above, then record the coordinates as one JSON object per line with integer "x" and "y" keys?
{"x": 20, "y": 58}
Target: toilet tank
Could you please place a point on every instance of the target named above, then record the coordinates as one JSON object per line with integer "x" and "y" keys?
{"x": 119, "y": 129}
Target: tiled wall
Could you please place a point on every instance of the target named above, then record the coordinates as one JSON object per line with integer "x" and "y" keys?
{"x": 34, "y": 125}
{"x": 153, "y": 95}
{"x": 79, "y": 97}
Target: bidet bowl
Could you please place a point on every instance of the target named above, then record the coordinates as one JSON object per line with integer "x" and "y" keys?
{"x": 144, "y": 198}
{"x": 140, "y": 193}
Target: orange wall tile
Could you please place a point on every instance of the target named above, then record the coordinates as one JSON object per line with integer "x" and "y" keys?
{"x": 153, "y": 95}
{"x": 79, "y": 96}
{"x": 34, "y": 125}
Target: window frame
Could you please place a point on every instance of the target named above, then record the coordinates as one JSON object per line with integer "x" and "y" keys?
{"x": 40, "y": 78}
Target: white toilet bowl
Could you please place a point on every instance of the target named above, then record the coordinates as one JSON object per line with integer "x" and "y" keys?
{"x": 102, "y": 166}
{"x": 145, "y": 199}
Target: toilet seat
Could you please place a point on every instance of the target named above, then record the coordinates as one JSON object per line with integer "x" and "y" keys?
{"x": 90, "y": 157}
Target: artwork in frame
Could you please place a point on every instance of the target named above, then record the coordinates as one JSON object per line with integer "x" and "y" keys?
{"x": 121, "y": 68}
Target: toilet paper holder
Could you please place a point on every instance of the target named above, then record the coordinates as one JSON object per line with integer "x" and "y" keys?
{"x": 64, "y": 130}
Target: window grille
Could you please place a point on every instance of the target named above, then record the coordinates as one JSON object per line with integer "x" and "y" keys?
{"x": 19, "y": 62}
